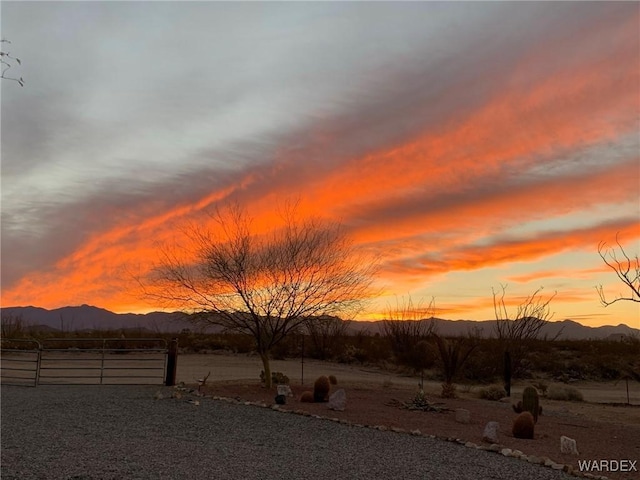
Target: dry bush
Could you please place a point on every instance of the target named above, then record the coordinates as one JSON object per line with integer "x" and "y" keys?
{"x": 492, "y": 392}
{"x": 567, "y": 394}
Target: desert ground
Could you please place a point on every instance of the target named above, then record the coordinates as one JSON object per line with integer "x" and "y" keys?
{"x": 603, "y": 426}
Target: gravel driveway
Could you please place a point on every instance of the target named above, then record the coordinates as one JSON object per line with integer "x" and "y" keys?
{"x": 122, "y": 432}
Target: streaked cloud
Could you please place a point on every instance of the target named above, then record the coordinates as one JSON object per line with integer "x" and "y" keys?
{"x": 443, "y": 143}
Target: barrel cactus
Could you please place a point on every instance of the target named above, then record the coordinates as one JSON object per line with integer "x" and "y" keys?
{"x": 321, "y": 389}
{"x": 523, "y": 426}
{"x": 306, "y": 397}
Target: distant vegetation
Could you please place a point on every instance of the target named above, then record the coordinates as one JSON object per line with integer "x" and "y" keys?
{"x": 557, "y": 360}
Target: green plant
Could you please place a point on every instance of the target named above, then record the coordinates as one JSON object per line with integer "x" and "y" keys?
{"x": 492, "y": 392}
{"x": 419, "y": 402}
{"x": 531, "y": 402}
{"x": 569, "y": 394}
{"x": 321, "y": 388}
{"x": 523, "y": 426}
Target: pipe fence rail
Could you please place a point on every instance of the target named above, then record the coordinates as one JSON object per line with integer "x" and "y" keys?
{"x": 20, "y": 362}
{"x": 87, "y": 361}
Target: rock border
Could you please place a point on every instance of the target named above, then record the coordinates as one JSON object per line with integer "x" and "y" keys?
{"x": 494, "y": 447}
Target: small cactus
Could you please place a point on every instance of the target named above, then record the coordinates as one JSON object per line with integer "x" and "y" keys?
{"x": 517, "y": 407}
{"x": 530, "y": 402}
{"x": 523, "y": 426}
{"x": 321, "y": 389}
{"x": 333, "y": 380}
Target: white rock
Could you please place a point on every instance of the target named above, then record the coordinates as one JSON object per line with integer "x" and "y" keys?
{"x": 506, "y": 452}
{"x": 285, "y": 390}
{"x": 568, "y": 445}
{"x": 338, "y": 400}
{"x": 490, "y": 433}
{"x": 463, "y": 415}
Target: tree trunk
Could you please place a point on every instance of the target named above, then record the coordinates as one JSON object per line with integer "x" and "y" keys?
{"x": 264, "y": 356}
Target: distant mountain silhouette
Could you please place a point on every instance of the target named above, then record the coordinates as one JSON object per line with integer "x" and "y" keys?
{"x": 87, "y": 317}
{"x": 562, "y": 330}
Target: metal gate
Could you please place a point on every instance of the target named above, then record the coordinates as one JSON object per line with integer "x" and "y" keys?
{"x": 20, "y": 362}
{"x": 86, "y": 361}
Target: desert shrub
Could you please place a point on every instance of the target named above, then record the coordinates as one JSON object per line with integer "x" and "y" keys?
{"x": 306, "y": 397}
{"x": 541, "y": 386}
{"x": 240, "y": 343}
{"x": 286, "y": 348}
{"x": 449, "y": 390}
{"x": 348, "y": 355}
{"x": 492, "y": 392}
{"x": 321, "y": 388}
{"x": 568, "y": 394}
{"x": 326, "y": 337}
{"x": 367, "y": 348}
{"x": 333, "y": 380}
{"x": 277, "y": 378}
{"x": 523, "y": 426}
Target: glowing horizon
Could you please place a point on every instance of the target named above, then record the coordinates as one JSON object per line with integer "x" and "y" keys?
{"x": 464, "y": 156}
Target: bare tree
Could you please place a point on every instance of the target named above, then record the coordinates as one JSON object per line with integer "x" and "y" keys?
{"x": 265, "y": 285}
{"x": 627, "y": 269}
{"x": 515, "y": 331}
{"x": 454, "y": 352}
{"x": 529, "y": 319}
{"x": 6, "y": 62}
{"x": 408, "y": 329}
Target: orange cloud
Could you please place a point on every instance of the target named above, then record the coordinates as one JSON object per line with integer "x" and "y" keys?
{"x": 512, "y": 250}
{"x": 438, "y": 190}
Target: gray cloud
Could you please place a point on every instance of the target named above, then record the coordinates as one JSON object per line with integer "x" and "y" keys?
{"x": 133, "y": 108}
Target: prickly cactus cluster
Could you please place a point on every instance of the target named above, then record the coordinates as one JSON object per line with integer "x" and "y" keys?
{"x": 529, "y": 403}
{"x": 321, "y": 389}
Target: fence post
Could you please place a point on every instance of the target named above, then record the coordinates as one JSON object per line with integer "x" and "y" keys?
{"x": 302, "y": 362}
{"x": 172, "y": 362}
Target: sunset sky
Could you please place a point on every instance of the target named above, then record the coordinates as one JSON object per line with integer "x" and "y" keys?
{"x": 469, "y": 145}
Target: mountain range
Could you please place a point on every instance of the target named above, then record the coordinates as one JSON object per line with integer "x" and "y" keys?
{"x": 87, "y": 317}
